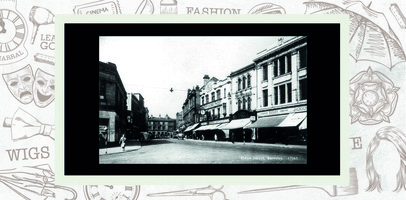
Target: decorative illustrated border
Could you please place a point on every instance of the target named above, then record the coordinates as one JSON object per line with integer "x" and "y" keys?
{"x": 63, "y": 179}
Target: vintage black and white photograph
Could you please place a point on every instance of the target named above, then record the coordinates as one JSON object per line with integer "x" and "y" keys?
{"x": 203, "y": 99}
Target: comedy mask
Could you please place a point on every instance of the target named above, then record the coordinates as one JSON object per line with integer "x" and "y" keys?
{"x": 44, "y": 88}
{"x": 20, "y": 84}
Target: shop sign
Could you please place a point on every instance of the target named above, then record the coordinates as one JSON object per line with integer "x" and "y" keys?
{"x": 282, "y": 111}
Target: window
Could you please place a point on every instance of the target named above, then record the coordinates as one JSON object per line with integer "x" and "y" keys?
{"x": 224, "y": 92}
{"x": 249, "y": 80}
{"x": 303, "y": 89}
{"x": 239, "y": 104}
{"x": 282, "y": 93}
{"x": 289, "y": 85}
{"x": 224, "y": 109}
{"x": 102, "y": 91}
{"x": 282, "y": 65}
{"x": 239, "y": 84}
{"x": 265, "y": 72}
{"x": 265, "y": 97}
{"x": 249, "y": 104}
{"x": 243, "y": 82}
{"x": 243, "y": 104}
{"x": 275, "y": 94}
{"x": 207, "y": 98}
{"x": 218, "y": 94}
{"x": 213, "y": 97}
{"x": 218, "y": 112}
{"x": 289, "y": 63}
{"x": 202, "y": 100}
{"x": 275, "y": 68}
{"x": 302, "y": 58}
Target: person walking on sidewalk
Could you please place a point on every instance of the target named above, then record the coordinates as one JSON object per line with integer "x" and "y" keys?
{"x": 122, "y": 142}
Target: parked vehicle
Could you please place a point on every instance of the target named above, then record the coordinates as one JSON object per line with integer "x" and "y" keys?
{"x": 145, "y": 136}
{"x": 180, "y": 136}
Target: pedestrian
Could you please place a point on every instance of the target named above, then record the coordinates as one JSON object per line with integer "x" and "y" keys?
{"x": 232, "y": 137}
{"x": 122, "y": 142}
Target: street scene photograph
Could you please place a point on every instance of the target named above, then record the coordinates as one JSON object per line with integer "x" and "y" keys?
{"x": 203, "y": 100}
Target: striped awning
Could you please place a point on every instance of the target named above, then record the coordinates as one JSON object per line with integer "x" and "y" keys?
{"x": 266, "y": 122}
{"x": 189, "y": 128}
{"x": 208, "y": 127}
{"x": 303, "y": 125}
{"x": 293, "y": 120}
{"x": 238, "y": 123}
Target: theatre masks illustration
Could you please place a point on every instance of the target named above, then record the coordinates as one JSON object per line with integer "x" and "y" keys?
{"x": 20, "y": 84}
{"x": 43, "y": 88}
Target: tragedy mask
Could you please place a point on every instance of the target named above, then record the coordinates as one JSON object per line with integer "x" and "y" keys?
{"x": 20, "y": 84}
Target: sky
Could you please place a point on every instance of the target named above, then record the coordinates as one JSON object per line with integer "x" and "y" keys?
{"x": 153, "y": 65}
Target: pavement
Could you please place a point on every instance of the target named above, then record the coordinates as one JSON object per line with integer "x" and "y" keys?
{"x": 250, "y": 143}
{"x": 136, "y": 145}
{"x": 130, "y": 146}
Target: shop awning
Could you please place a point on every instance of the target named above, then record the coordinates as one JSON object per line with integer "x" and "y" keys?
{"x": 293, "y": 120}
{"x": 208, "y": 127}
{"x": 266, "y": 122}
{"x": 189, "y": 128}
{"x": 221, "y": 125}
{"x": 238, "y": 123}
{"x": 303, "y": 125}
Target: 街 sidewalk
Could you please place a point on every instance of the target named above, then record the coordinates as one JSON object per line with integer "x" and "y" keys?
{"x": 130, "y": 146}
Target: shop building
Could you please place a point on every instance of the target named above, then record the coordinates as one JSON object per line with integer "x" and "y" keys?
{"x": 243, "y": 97}
{"x": 281, "y": 92}
{"x": 112, "y": 103}
{"x": 214, "y": 109}
{"x": 190, "y": 110}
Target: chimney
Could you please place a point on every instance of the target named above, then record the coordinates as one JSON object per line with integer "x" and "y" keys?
{"x": 280, "y": 41}
{"x": 206, "y": 79}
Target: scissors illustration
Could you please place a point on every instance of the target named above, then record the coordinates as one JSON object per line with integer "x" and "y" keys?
{"x": 210, "y": 191}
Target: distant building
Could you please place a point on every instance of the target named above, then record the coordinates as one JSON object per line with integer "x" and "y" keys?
{"x": 179, "y": 121}
{"x": 161, "y": 126}
{"x": 136, "y": 115}
{"x": 112, "y": 102}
